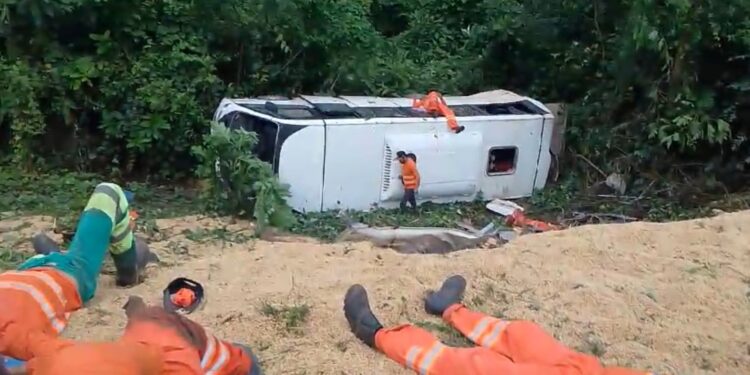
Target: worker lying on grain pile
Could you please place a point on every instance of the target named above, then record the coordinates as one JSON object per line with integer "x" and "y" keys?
{"x": 434, "y": 104}
{"x": 504, "y": 347}
{"x": 155, "y": 341}
{"x": 39, "y": 297}
{"x": 58, "y": 356}
{"x": 154, "y": 325}
{"x": 410, "y": 178}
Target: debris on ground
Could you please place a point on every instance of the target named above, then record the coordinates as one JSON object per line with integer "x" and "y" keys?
{"x": 616, "y": 182}
{"x": 437, "y": 240}
{"x": 515, "y": 217}
{"x": 415, "y": 240}
{"x": 503, "y": 207}
{"x": 582, "y": 218}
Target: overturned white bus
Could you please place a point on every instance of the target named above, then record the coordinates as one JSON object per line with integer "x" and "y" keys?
{"x": 337, "y": 152}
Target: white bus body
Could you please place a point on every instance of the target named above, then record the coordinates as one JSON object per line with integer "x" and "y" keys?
{"x": 337, "y": 152}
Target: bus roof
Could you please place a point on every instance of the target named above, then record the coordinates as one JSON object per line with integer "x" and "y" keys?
{"x": 308, "y": 107}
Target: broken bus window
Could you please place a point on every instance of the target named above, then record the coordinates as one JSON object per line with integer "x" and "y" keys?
{"x": 502, "y": 160}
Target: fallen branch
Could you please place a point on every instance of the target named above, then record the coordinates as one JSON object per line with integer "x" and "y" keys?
{"x": 591, "y": 163}
{"x": 615, "y": 196}
{"x": 586, "y": 218}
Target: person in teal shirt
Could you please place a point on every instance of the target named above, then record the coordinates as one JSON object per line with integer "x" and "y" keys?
{"x": 104, "y": 224}
{"x": 39, "y": 296}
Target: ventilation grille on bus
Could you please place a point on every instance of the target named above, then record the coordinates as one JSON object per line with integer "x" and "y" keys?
{"x": 387, "y": 168}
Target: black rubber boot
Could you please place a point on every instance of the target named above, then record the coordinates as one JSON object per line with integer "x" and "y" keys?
{"x": 450, "y": 293}
{"x": 460, "y": 129}
{"x": 144, "y": 255}
{"x": 44, "y": 245}
{"x": 131, "y": 264}
{"x": 126, "y": 277}
{"x": 362, "y": 321}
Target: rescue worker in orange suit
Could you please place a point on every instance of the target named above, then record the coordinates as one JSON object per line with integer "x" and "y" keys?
{"x": 155, "y": 341}
{"x": 38, "y": 298}
{"x": 410, "y": 178}
{"x": 57, "y": 356}
{"x": 156, "y": 326}
{"x": 434, "y": 104}
{"x": 503, "y": 347}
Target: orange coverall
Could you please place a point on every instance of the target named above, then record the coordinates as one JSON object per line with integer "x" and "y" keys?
{"x": 188, "y": 348}
{"x": 435, "y": 104}
{"x": 504, "y": 348}
{"x": 55, "y": 356}
{"x": 154, "y": 342}
{"x": 35, "y": 301}
{"x": 409, "y": 174}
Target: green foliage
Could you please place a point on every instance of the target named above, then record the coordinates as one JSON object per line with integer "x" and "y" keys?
{"x": 45, "y": 193}
{"x": 10, "y": 259}
{"x": 201, "y": 235}
{"x": 292, "y": 316}
{"x": 126, "y": 86}
{"x": 668, "y": 74}
{"x": 238, "y": 182}
{"x": 64, "y": 194}
{"x": 112, "y": 86}
{"x": 18, "y": 104}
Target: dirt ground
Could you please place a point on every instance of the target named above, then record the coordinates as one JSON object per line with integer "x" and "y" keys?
{"x": 673, "y": 298}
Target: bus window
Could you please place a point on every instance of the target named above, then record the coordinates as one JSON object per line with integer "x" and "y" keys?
{"x": 265, "y": 130}
{"x": 502, "y": 160}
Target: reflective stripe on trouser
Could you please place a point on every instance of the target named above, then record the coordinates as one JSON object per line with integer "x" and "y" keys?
{"x": 223, "y": 358}
{"x": 486, "y": 331}
{"x": 180, "y": 355}
{"x": 110, "y": 199}
{"x": 521, "y": 341}
{"x": 419, "y": 351}
{"x": 55, "y": 294}
{"x": 412, "y": 347}
{"x": 34, "y": 301}
{"x": 215, "y": 356}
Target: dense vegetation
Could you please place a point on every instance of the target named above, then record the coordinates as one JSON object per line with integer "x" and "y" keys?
{"x": 238, "y": 183}
{"x": 127, "y": 87}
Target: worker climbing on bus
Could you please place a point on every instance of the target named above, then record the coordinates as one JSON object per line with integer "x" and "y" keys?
{"x": 410, "y": 178}
{"x": 155, "y": 341}
{"x": 434, "y": 104}
{"x": 38, "y": 298}
{"x": 503, "y": 347}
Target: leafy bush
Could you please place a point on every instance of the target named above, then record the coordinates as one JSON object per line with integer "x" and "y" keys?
{"x": 238, "y": 182}
{"x": 125, "y": 86}
{"x": 18, "y": 104}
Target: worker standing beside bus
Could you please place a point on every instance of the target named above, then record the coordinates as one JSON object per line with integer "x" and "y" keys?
{"x": 410, "y": 178}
